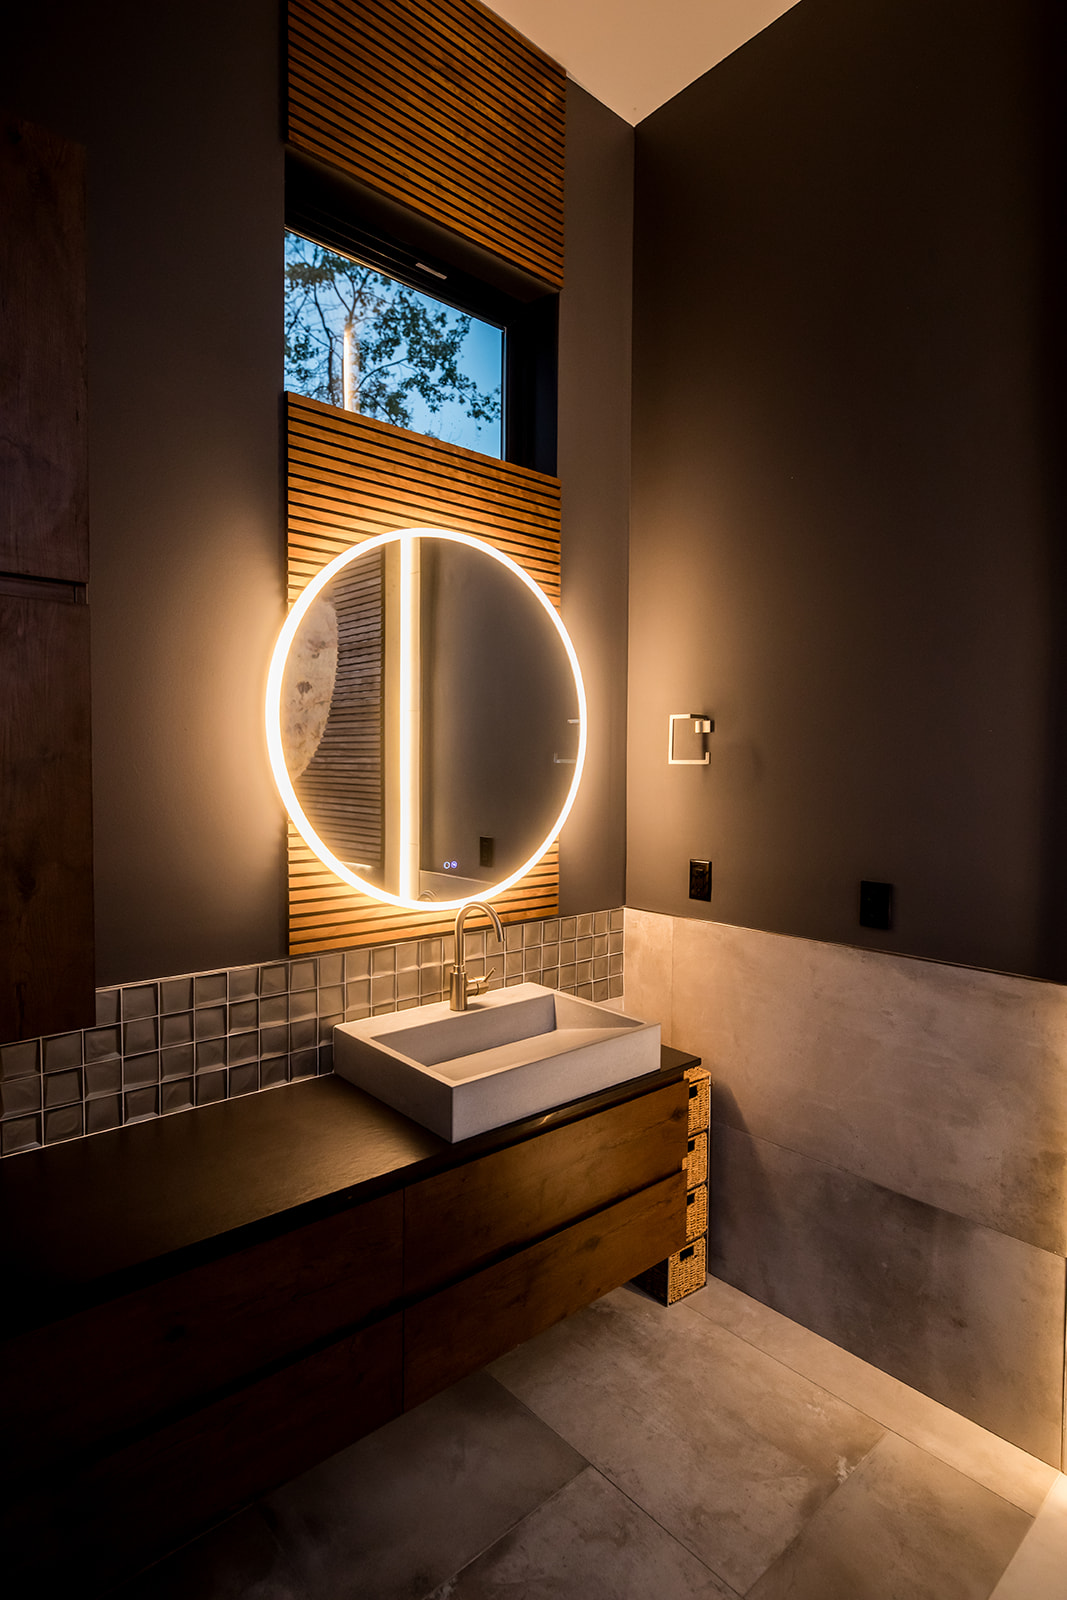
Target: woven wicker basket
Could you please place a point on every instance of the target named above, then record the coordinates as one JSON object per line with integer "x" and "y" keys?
{"x": 699, "y": 1099}
{"x": 696, "y": 1213}
{"x": 681, "y": 1274}
{"x": 696, "y": 1161}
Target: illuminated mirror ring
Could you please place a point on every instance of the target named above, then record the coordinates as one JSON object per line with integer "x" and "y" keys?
{"x": 275, "y": 743}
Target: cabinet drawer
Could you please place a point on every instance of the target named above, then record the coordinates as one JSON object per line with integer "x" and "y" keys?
{"x": 108, "y": 1519}
{"x": 462, "y": 1327}
{"x": 460, "y": 1220}
{"x": 191, "y": 1335}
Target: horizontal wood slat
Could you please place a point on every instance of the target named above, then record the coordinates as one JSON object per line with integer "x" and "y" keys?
{"x": 351, "y": 477}
{"x": 443, "y": 107}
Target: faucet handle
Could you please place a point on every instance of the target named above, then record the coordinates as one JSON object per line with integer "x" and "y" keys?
{"x": 480, "y": 985}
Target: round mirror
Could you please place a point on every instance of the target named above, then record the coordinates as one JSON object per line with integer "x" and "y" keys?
{"x": 426, "y": 718}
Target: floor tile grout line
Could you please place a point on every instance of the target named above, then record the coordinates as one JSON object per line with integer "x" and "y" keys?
{"x": 885, "y": 1426}
{"x": 587, "y": 1466}
{"x": 602, "y": 1472}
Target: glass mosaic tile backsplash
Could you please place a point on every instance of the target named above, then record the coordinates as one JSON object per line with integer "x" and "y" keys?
{"x": 175, "y": 1043}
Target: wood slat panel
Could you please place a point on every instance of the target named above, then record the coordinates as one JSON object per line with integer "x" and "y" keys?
{"x": 351, "y": 477}
{"x": 444, "y": 108}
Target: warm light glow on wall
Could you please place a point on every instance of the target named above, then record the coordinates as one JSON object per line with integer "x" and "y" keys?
{"x": 408, "y": 699}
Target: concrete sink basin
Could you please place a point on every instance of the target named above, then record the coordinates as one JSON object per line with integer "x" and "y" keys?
{"x": 513, "y": 1053}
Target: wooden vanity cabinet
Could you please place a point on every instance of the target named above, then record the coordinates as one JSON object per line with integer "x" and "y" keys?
{"x": 133, "y": 1423}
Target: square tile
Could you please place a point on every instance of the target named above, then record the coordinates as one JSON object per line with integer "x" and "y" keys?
{"x": 274, "y": 979}
{"x": 273, "y": 1071}
{"x": 21, "y": 1133}
{"x": 583, "y": 950}
{"x": 175, "y": 994}
{"x": 21, "y": 1097}
{"x": 615, "y": 943}
{"x": 325, "y": 1059}
{"x": 584, "y": 925}
{"x": 303, "y": 1005}
{"x": 20, "y": 1060}
{"x": 304, "y": 1035}
{"x": 210, "y": 1023}
{"x": 62, "y": 1051}
{"x": 617, "y": 919}
{"x": 102, "y": 1044}
{"x": 242, "y": 1015}
{"x": 331, "y": 968}
{"x": 139, "y": 1036}
{"x": 63, "y": 1123}
{"x": 139, "y": 1000}
{"x": 62, "y": 1088}
{"x": 141, "y": 1104}
{"x": 103, "y": 1114}
{"x": 210, "y": 1087}
{"x": 176, "y": 1029}
{"x": 383, "y": 990}
{"x": 303, "y": 974}
{"x": 531, "y": 934}
{"x": 103, "y": 1078}
{"x": 568, "y": 927}
{"x": 550, "y": 977}
{"x": 107, "y": 1007}
{"x": 210, "y": 1055}
{"x": 242, "y": 983}
{"x": 209, "y": 989}
{"x": 137, "y": 1071}
{"x": 330, "y": 1000}
{"x": 176, "y": 1096}
{"x": 407, "y": 956}
{"x": 601, "y": 922}
{"x": 177, "y": 1062}
{"x": 383, "y": 960}
{"x": 512, "y": 936}
{"x": 407, "y": 985}
{"x": 241, "y": 1048}
{"x": 244, "y": 1079}
{"x": 274, "y": 1041}
{"x": 274, "y": 1009}
{"x": 326, "y": 1027}
{"x": 357, "y": 965}
{"x": 431, "y": 952}
{"x": 303, "y": 1064}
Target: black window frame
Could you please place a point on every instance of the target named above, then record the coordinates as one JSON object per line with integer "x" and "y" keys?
{"x": 329, "y": 209}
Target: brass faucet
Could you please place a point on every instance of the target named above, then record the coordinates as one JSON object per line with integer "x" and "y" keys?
{"x": 460, "y": 987}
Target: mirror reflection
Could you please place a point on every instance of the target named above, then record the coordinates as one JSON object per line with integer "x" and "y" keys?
{"x": 429, "y": 718}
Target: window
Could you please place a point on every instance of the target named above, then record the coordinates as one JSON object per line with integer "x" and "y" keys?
{"x": 358, "y": 338}
{"x": 386, "y": 315}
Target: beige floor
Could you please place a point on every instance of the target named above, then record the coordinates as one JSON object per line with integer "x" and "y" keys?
{"x": 710, "y": 1450}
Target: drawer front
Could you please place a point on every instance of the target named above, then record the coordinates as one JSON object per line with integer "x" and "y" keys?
{"x": 129, "y": 1507}
{"x": 461, "y": 1220}
{"x": 117, "y": 1365}
{"x": 461, "y": 1328}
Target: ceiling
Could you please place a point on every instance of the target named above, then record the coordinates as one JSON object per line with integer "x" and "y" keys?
{"x": 635, "y": 54}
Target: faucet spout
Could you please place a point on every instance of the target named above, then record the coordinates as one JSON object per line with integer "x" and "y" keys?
{"x": 460, "y": 987}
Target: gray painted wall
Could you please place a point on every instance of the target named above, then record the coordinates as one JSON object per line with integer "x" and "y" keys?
{"x": 845, "y": 534}
{"x": 179, "y": 107}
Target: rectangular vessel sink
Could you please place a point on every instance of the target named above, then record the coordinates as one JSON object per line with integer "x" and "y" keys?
{"x": 513, "y": 1053}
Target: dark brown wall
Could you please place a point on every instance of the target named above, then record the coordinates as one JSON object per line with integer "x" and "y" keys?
{"x": 178, "y": 105}
{"x": 844, "y": 540}
{"x": 594, "y": 465}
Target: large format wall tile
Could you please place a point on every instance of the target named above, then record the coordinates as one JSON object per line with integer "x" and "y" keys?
{"x": 649, "y": 957}
{"x": 944, "y": 1083}
{"x": 967, "y": 1315}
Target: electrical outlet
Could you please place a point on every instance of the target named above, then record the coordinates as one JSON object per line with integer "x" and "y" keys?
{"x": 700, "y": 880}
{"x": 876, "y": 904}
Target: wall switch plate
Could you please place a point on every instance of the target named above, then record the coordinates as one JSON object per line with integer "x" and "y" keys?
{"x": 700, "y": 880}
{"x": 876, "y": 904}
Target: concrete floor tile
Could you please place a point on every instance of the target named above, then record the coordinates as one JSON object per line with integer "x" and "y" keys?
{"x": 991, "y": 1461}
{"x": 903, "y": 1525}
{"x": 724, "y": 1447}
{"x": 588, "y": 1541}
{"x": 397, "y": 1513}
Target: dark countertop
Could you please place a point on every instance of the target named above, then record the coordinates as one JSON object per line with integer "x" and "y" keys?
{"x": 85, "y": 1221}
